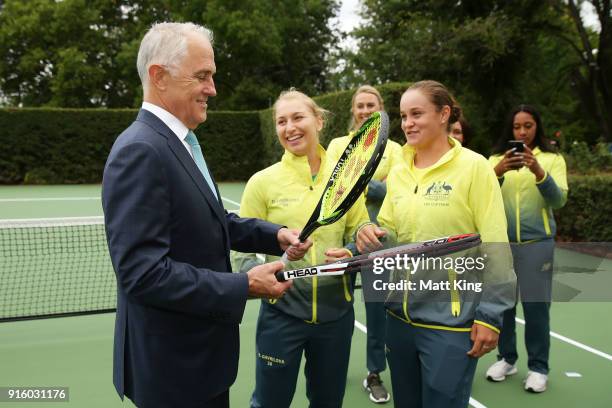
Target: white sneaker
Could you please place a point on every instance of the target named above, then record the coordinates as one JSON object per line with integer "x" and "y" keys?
{"x": 535, "y": 382}
{"x": 499, "y": 370}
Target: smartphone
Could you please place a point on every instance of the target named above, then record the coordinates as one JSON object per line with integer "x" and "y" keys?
{"x": 517, "y": 145}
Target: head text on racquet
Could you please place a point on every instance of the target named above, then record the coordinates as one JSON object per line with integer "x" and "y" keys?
{"x": 433, "y": 248}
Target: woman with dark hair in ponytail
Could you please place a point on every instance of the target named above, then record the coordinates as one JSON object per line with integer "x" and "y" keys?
{"x": 439, "y": 188}
{"x": 533, "y": 181}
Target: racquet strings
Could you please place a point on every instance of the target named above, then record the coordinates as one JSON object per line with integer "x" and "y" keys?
{"x": 350, "y": 170}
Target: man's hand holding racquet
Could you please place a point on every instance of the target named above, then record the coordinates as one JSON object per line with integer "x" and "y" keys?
{"x": 263, "y": 282}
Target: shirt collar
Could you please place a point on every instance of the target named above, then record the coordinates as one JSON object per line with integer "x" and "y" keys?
{"x": 177, "y": 127}
{"x": 409, "y": 151}
{"x": 300, "y": 163}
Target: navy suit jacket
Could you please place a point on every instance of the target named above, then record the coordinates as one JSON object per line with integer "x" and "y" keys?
{"x": 178, "y": 304}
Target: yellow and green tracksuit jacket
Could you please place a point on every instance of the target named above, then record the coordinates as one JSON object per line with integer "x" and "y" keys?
{"x": 528, "y": 203}
{"x": 286, "y": 193}
{"x": 458, "y": 194}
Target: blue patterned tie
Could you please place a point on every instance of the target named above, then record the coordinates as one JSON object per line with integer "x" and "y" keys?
{"x": 198, "y": 157}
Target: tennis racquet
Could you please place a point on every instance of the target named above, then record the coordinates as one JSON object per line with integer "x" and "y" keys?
{"x": 433, "y": 248}
{"x": 351, "y": 175}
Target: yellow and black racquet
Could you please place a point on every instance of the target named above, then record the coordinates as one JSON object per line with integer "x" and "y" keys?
{"x": 433, "y": 248}
{"x": 351, "y": 174}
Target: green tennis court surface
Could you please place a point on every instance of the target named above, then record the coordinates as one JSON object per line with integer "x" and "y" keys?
{"x": 76, "y": 352}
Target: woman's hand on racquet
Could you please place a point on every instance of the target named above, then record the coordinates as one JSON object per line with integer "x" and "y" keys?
{"x": 336, "y": 254}
{"x": 368, "y": 238}
{"x": 290, "y": 243}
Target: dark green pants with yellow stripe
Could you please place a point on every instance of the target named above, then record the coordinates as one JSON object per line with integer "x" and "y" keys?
{"x": 281, "y": 340}
{"x": 429, "y": 367}
{"x": 533, "y": 263}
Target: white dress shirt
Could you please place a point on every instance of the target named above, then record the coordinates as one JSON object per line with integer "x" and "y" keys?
{"x": 177, "y": 127}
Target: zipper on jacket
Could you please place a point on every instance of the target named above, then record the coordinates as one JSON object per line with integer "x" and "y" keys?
{"x": 405, "y": 302}
{"x": 518, "y": 215}
{"x": 455, "y": 300}
{"x": 347, "y": 292}
{"x": 546, "y": 223}
{"x": 314, "y": 285}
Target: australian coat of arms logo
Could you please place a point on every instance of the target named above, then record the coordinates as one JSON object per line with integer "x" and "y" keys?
{"x": 438, "y": 193}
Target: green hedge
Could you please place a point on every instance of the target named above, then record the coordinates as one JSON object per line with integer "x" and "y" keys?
{"x": 586, "y": 216}
{"x": 52, "y": 146}
{"x": 232, "y": 144}
{"x": 70, "y": 146}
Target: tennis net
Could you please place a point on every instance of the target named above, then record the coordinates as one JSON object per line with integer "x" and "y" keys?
{"x": 54, "y": 267}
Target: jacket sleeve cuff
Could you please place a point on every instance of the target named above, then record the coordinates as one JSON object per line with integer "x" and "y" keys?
{"x": 365, "y": 224}
{"x": 487, "y": 325}
{"x": 550, "y": 191}
{"x": 543, "y": 178}
{"x": 348, "y": 251}
{"x": 352, "y": 248}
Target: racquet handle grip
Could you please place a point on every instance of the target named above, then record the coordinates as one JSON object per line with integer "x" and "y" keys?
{"x": 285, "y": 259}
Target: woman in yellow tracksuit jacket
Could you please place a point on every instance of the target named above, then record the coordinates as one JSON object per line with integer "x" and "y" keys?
{"x": 367, "y": 100}
{"x": 440, "y": 188}
{"x": 533, "y": 183}
{"x": 315, "y": 316}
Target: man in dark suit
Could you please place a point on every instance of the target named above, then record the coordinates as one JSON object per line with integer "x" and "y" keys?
{"x": 178, "y": 307}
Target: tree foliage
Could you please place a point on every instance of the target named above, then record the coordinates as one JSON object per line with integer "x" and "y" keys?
{"x": 77, "y": 53}
{"x": 492, "y": 54}
{"x": 474, "y": 47}
{"x": 265, "y": 46}
{"x": 591, "y": 74}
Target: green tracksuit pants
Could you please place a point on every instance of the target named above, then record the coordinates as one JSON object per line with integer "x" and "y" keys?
{"x": 280, "y": 342}
{"x": 429, "y": 367}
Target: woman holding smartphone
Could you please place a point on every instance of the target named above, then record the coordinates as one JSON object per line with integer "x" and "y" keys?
{"x": 533, "y": 180}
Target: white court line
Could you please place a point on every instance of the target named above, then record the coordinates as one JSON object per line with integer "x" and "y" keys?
{"x": 25, "y": 200}
{"x": 473, "y": 402}
{"x": 230, "y": 201}
{"x": 361, "y": 327}
{"x": 574, "y": 342}
{"x": 476, "y": 404}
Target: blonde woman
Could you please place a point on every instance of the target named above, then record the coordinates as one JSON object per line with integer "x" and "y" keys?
{"x": 315, "y": 317}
